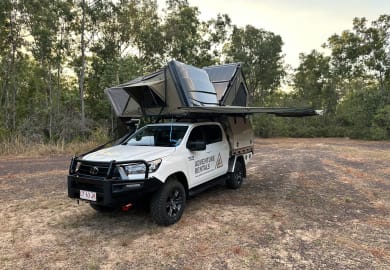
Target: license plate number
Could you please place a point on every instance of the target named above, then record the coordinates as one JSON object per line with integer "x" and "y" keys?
{"x": 88, "y": 195}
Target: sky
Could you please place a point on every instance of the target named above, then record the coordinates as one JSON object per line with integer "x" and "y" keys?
{"x": 304, "y": 25}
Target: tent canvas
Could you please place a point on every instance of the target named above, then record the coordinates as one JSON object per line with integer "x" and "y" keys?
{"x": 181, "y": 90}
{"x": 229, "y": 83}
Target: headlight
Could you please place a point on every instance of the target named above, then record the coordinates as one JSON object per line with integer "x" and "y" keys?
{"x": 153, "y": 165}
{"x": 140, "y": 168}
{"x": 134, "y": 168}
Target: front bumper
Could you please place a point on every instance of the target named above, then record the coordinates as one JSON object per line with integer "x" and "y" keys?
{"x": 110, "y": 192}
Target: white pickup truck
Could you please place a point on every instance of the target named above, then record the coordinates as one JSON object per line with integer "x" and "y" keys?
{"x": 168, "y": 162}
{"x": 165, "y": 162}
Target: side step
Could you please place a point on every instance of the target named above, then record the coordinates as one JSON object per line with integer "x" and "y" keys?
{"x": 217, "y": 181}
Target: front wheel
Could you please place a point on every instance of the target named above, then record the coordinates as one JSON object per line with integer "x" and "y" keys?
{"x": 235, "y": 179}
{"x": 167, "y": 204}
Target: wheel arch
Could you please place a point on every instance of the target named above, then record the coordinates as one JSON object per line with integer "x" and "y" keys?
{"x": 232, "y": 163}
{"x": 180, "y": 176}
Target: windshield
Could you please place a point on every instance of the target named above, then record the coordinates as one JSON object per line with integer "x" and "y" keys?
{"x": 166, "y": 136}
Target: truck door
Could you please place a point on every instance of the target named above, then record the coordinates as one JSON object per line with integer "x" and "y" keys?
{"x": 218, "y": 147}
{"x": 198, "y": 161}
{"x": 207, "y": 164}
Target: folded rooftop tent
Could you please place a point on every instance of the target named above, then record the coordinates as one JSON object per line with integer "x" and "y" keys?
{"x": 180, "y": 90}
{"x": 178, "y": 85}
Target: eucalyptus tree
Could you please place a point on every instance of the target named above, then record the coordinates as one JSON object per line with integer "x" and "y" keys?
{"x": 190, "y": 40}
{"x": 360, "y": 61}
{"x": 11, "y": 58}
{"x": 363, "y": 52}
{"x": 313, "y": 81}
{"x": 47, "y": 23}
{"x": 181, "y": 32}
{"x": 260, "y": 51}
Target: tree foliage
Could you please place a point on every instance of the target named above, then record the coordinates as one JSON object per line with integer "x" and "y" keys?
{"x": 352, "y": 85}
{"x": 57, "y": 57}
{"x": 260, "y": 51}
{"x": 313, "y": 82}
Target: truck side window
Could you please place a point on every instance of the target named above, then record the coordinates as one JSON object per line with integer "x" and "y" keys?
{"x": 213, "y": 134}
{"x": 196, "y": 134}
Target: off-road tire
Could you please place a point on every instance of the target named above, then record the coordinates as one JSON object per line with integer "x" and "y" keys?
{"x": 102, "y": 208}
{"x": 237, "y": 177}
{"x": 167, "y": 204}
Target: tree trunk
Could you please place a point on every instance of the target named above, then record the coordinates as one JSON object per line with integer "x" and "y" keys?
{"x": 58, "y": 88}
{"x": 12, "y": 72}
{"x": 59, "y": 52}
{"x": 4, "y": 93}
{"x": 50, "y": 104}
{"x": 13, "y": 90}
{"x": 6, "y": 105}
{"x": 81, "y": 77}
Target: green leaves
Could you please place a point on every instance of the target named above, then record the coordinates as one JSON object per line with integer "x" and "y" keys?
{"x": 313, "y": 82}
{"x": 260, "y": 52}
{"x": 352, "y": 84}
{"x": 41, "y": 63}
{"x": 363, "y": 51}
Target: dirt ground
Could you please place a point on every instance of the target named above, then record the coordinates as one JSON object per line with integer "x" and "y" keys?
{"x": 306, "y": 204}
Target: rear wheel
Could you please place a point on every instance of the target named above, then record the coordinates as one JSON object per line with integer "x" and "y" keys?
{"x": 236, "y": 178}
{"x": 167, "y": 204}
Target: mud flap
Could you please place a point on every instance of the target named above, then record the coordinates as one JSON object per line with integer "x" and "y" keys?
{"x": 232, "y": 163}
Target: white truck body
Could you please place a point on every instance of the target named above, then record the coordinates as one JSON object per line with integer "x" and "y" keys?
{"x": 197, "y": 166}
{"x": 192, "y": 154}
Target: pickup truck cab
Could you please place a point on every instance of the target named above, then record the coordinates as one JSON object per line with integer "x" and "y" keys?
{"x": 166, "y": 162}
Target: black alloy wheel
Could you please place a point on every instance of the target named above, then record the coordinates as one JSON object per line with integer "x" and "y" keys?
{"x": 174, "y": 203}
{"x": 237, "y": 177}
{"x": 167, "y": 204}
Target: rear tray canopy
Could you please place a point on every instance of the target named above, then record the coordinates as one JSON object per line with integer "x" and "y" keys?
{"x": 179, "y": 90}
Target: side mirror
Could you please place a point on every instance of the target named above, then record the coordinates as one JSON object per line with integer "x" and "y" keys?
{"x": 196, "y": 146}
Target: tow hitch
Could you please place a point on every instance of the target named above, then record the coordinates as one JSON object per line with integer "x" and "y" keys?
{"x": 126, "y": 207}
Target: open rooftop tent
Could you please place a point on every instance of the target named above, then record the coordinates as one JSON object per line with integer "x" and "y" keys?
{"x": 181, "y": 90}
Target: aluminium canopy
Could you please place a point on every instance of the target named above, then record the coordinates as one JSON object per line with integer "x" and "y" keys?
{"x": 179, "y": 89}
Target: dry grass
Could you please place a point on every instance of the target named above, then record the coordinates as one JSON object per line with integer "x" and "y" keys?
{"x": 19, "y": 146}
{"x": 306, "y": 204}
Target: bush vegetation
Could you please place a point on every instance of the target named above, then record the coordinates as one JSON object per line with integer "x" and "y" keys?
{"x": 58, "y": 56}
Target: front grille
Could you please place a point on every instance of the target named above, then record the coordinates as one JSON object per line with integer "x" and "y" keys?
{"x": 96, "y": 169}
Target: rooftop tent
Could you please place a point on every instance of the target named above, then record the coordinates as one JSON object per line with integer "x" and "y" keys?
{"x": 131, "y": 99}
{"x": 229, "y": 83}
{"x": 183, "y": 90}
{"x": 163, "y": 92}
